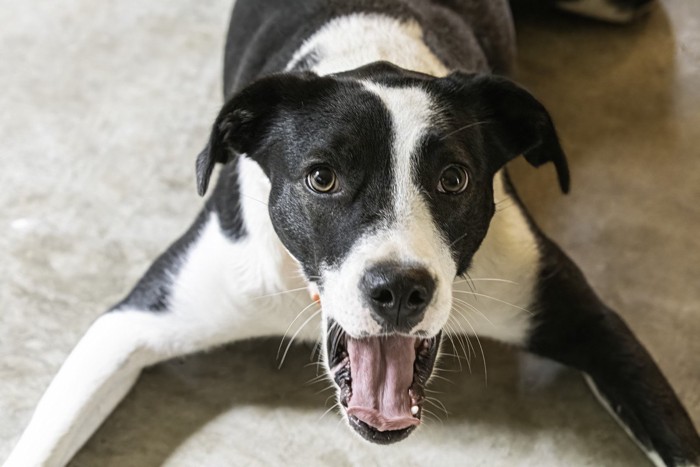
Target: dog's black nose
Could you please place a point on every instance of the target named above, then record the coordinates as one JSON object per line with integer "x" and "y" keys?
{"x": 397, "y": 295}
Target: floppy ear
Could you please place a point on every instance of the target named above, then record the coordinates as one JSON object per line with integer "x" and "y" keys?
{"x": 244, "y": 120}
{"x": 519, "y": 123}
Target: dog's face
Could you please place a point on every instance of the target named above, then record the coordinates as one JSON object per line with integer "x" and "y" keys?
{"x": 381, "y": 187}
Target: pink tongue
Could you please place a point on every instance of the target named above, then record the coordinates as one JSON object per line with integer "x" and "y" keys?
{"x": 382, "y": 371}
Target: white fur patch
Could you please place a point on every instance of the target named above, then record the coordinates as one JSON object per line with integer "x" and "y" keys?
{"x": 411, "y": 237}
{"x": 355, "y": 40}
{"x": 411, "y": 112}
{"x": 504, "y": 272}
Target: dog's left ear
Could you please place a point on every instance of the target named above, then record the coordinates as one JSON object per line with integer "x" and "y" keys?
{"x": 244, "y": 120}
{"x": 515, "y": 121}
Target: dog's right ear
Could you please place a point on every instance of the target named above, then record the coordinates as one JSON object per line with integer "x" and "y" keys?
{"x": 244, "y": 120}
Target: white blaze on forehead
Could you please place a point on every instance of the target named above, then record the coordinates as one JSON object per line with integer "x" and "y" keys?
{"x": 410, "y": 237}
{"x": 411, "y": 111}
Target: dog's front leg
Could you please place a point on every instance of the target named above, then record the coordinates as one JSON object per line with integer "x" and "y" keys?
{"x": 208, "y": 289}
{"x": 96, "y": 376}
{"x": 574, "y": 327}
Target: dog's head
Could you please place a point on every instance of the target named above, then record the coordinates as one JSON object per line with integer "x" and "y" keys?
{"x": 382, "y": 189}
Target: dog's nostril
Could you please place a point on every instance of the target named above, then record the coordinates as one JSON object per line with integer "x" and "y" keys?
{"x": 383, "y": 296}
{"x": 417, "y": 298}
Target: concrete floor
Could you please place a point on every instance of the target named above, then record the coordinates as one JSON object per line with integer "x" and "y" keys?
{"x": 105, "y": 105}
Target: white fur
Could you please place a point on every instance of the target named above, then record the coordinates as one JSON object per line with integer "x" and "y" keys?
{"x": 504, "y": 272}
{"x": 600, "y": 9}
{"x": 355, "y": 40}
{"x": 97, "y": 374}
{"x": 653, "y": 455}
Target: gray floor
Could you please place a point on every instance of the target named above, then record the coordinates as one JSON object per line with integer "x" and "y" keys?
{"x": 103, "y": 107}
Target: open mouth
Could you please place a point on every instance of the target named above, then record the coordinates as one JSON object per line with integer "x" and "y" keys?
{"x": 382, "y": 381}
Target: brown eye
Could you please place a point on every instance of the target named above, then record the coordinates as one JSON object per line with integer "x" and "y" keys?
{"x": 321, "y": 179}
{"x": 453, "y": 180}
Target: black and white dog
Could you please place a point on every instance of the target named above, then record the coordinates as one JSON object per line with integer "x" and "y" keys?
{"x": 378, "y": 131}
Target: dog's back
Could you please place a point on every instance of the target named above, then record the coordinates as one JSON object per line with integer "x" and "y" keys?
{"x": 471, "y": 35}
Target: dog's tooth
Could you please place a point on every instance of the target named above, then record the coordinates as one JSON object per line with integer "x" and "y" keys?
{"x": 414, "y": 410}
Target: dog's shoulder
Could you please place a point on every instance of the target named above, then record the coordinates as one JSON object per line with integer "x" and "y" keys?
{"x": 263, "y": 37}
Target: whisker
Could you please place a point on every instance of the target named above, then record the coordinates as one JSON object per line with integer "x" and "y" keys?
{"x": 321, "y": 391}
{"x": 316, "y": 364}
{"x": 494, "y": 298}
{"x": 465, "y": 334}
{"x": 433, "y": 415}
{"x": 436, "y": 403}
{"x": 280, "y": 293}
{"x": 470, "y": 346}
{"x": 254, "y": 199}
{"x": 451, "y": 355}
{"x": 484, "y": 279}
{"x": 290, "y": 326}
{"x": 443, "y": 370}
{"x": 467, "y": 352}
{"x": 334, "y": 406}
{"x": 316, "y": 379}
{"x": 470, "y": 125}
{"x": 459, "y": 238}
{"x": 470, "y": 282}
{"x": 296, "y": 334}
{"x": 315, "y": 349}
{"x": 449, "y": 337}
{"x": 328, "y": 398}
{"x": 483, "y": 355}
{"x": 472, "y": 307}
{"x": 441, "y": 377}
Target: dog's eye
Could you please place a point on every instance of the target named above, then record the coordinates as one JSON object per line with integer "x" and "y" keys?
{"x": 322, "y": 179}
{"x": 453, "y": 180}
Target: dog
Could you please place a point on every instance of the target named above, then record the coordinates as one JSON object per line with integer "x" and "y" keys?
{"x": 378, "y": 131}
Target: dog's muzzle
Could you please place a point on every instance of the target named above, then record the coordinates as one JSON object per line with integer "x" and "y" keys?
{"x": 381, "y": 380}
